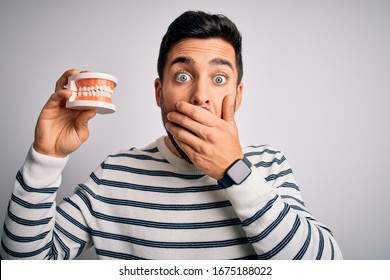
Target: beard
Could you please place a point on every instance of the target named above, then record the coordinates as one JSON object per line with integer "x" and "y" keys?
{"x": 164, "y": 114}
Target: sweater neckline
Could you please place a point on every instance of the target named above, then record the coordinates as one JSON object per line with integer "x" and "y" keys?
{"x": 173, "y": 159}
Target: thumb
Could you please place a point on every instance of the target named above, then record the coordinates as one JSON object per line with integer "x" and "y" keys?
{"x": 228, "y": 108}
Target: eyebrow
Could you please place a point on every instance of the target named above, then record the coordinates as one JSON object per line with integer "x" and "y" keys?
{"x": 221, "y": 61}
{"x": 182, "y": 59}
{"x": 213, "y": 62}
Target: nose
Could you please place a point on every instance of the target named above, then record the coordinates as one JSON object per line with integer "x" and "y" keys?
{"x": 200, "y": 95}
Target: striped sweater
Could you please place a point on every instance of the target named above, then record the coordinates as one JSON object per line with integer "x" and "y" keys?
{"x": 149, "y": 204}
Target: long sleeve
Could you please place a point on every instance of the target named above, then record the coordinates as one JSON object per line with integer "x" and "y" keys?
{"x": 273, "y": 214}
{"x": 30, "y": 228}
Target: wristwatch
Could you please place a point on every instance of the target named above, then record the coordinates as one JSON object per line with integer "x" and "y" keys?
{"x": 236, "y": 173}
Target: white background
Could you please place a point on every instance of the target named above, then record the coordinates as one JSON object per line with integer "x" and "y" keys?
{"x": 317, "y": 86}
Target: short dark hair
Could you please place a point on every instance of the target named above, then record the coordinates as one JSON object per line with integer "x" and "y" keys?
{"x": 200, "y": 25}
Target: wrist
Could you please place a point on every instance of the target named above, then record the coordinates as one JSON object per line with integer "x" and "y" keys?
{"x": 41, "y": 170}
{"x": 236, "y": 173}
{"x": 46, "y": 152}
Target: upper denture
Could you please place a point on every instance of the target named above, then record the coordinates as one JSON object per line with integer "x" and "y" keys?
{"x": 93, "y": 82}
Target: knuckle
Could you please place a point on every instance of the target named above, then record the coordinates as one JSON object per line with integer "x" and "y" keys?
{"x": 186, "y": 121}
{"x": 198, "y": 158}
{"x": 213, "y": 138}
{"x": 180, "y": 133}
{"x": 205, "y": 150}
{"x": 193, "y": 113}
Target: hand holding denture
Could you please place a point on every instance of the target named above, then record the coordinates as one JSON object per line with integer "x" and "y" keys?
{"x": 60, "y": 131}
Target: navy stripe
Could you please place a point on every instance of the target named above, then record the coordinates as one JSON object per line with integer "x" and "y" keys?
{"x": 296, "y": 207}
{"x": 320, "y": 245}
{"x": 293, "y": 198}
{"x": 259, "y": 213}
{"x": 280, "y": 174}
{"x": 28, "y": 205}
{"x": 289, "y": 185}
{"x": 97, "y": 180}
{"x": 269, "y": 163}
{"x": 155, "y": 189}
{"x": 325, "y": 228}
{"x": 67, "y": 199}
{"x": 52, "y": 254}
{"x": 25, "y": 254}
{"x": 117, "y": 255}
{"x": 271, "y": 227}
{"x": 150, "y": 224}
{"x": 72, "y": 220}
{"x": 24, "y": 239}
{"x": 25, "y": 222}
{"x": 171, "y": 245}
{"x": 75, "y": 239}
{"x": 162, "y": 207}
{"x": 152, "y": 150}
{"x": 283, "y": 243}
{"x": 123, "y": 256}
{"x": 250, "y": 257}
{"x": 332, "y": 249}
{"x": 65, "y": 249}
{"x": 303, "y": 250}
{"x": 144, "y": 223}
{"x": 139, "y": 157}
{"x": 153, "y": 173}
{"x": 259, "y": 153}
{"x": 27, "y": 188}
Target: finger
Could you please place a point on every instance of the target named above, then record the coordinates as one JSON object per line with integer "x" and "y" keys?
{"x": 187, "y": 122}
{"x": 63, "y": 80}
{"x": 228, "y": 108}
{"x": 81, "y": 124}
{"x": 196, "y": 113}
{"x": 57, "y": 98}
{"x": 187, "y": 149}
{"x": 183, "y": 135}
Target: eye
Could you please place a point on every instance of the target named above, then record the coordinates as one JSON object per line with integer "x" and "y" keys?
{"x": 220, "y": 79}
{"x": 183, "y": 77}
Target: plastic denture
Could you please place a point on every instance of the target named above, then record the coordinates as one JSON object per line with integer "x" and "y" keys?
{"x": 92, "y": 91}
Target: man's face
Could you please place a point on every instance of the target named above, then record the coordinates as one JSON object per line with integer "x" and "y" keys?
{"x": 201, "y": 72}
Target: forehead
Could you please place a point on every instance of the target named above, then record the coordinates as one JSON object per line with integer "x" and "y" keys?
{"x": 202, "y": 50}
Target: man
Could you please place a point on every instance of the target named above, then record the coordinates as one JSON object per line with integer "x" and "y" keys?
{"x": 194, "y": 194}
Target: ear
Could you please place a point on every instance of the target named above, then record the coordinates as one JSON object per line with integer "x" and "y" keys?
{"x": 158, "y": 91}
{"x": 240, "y": 89}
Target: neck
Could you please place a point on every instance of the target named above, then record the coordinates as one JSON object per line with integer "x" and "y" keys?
{"x": 171, "y": 147}
{"x": 175, "y": 149}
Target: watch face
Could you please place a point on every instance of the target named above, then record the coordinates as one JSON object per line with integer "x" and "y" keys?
{"x": 238, "y": 172}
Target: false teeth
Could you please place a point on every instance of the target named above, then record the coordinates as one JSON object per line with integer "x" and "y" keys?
{"x": 95, "y": 91}
{"x": 92, "y": 90}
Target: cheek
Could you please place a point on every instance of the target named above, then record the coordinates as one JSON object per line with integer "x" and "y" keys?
{"x": 171, "y": 95}
{"x": 167, "y": 102}
{"x": 218, "y": 104}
